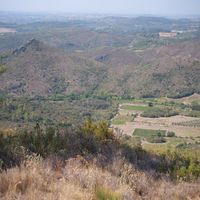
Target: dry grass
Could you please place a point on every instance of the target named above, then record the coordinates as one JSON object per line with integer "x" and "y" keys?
{"x": 35, "y": 180}
{"x": 79, "y": 180}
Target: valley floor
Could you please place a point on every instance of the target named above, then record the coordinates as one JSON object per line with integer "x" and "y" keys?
{"x": 186, "y": 128}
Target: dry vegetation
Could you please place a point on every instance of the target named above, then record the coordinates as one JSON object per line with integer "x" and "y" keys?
{"x": 91, "y": 165}
{"x": 79, "y": 179}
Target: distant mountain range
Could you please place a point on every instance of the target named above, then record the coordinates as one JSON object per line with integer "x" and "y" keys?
{"x": 101, "y": 56}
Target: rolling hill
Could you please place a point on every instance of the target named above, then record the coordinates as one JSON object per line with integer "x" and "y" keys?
{"x": 40, "y": 69}
{"x": 172, "y": 70}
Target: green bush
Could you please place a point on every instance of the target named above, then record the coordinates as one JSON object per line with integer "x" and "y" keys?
{"x": 100, "y": 130}
{"x": 195, "y": 106}
{"x": 170, "y": 134}
{"x": 2, "y": 69}
{"x": 150, "y": 104}
{"x": 183, "y": 165}
{"x": 50, "y": 141}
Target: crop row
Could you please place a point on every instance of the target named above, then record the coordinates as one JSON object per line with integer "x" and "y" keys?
{"x": 192, "y": 123}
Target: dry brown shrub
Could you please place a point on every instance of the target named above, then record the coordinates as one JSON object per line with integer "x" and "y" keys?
{"x": 79, "y": 179}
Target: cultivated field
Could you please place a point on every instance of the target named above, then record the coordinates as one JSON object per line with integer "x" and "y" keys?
{"x": 130, "y": 116}
{"x": 165, "y": 123}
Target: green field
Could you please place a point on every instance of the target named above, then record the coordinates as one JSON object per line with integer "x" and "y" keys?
{"x": 152, "y": 136}
{"x": 119, "y": 121}
{"x": 132, "y": 107}
{"x": 149, "y": 133}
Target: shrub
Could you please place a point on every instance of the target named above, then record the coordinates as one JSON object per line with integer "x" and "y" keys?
{"x": 150, "y": 104}
{"x": 195, "y": 106}
{"x": 100, "y": 130}
{"x": 170, "y": 134}
{"x": 2, "y": 69}
{"x": 47, "y": 141}
{"x": 50, "y": 141}
{"x": 183, "y": 165}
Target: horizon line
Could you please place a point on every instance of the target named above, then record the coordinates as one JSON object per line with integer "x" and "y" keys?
{"x": 101, "y": 13}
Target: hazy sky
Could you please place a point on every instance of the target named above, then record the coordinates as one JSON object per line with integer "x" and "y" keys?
{"x": 156, "y": 7}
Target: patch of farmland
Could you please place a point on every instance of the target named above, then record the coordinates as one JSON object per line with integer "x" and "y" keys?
{"x": 149, "y": 133}
{"x": 192, "y": 123}
{"x": 183, "y": 126}
{"x": 134, "y": 107}
{"x": 165, "y": 123}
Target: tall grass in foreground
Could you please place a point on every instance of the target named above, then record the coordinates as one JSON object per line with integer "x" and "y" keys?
{"x": 90, "y": 163}
{"x": 78, "y": 179}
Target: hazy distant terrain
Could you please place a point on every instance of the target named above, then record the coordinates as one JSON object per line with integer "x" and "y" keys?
{"x": 117, "y": 56}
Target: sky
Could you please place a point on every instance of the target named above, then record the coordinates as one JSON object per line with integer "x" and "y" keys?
{"x": 132, "y": 7}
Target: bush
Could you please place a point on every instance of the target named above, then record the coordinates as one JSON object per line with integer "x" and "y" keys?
{"x": 150, "y": 104}
{"x": 100, "y": 130}
{"x": 48, "y": 141}
{"x": 2, "y": 69}
{"x": 195, "y": 106}
{"x": 183, "y": 165}
{"x": 170, "y": 134}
